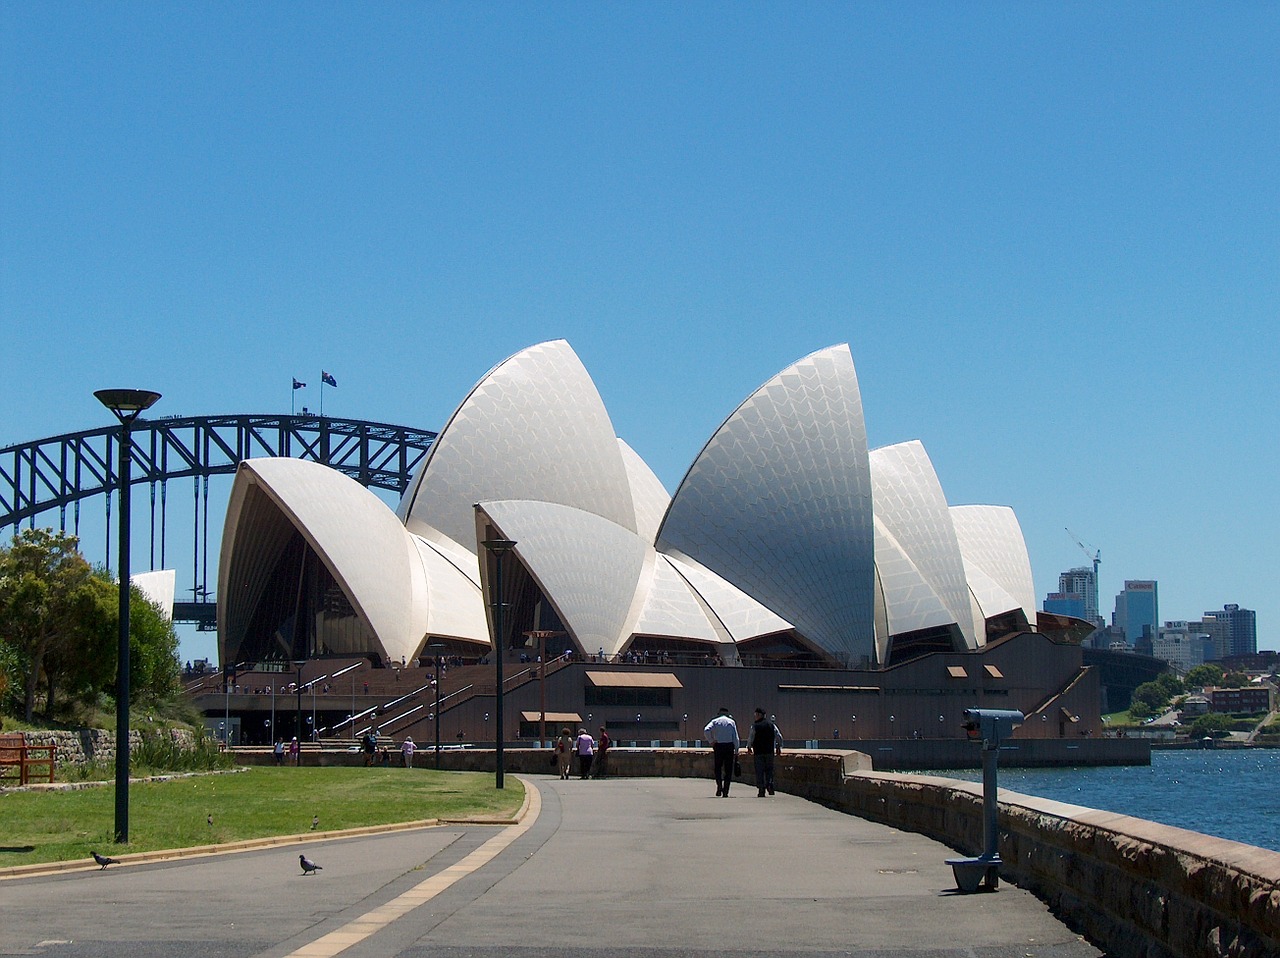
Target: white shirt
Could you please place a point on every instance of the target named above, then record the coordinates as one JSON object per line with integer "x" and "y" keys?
{"x": 722, "y": 729}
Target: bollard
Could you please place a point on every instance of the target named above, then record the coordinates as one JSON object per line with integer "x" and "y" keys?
{"x": 994, "y": 725}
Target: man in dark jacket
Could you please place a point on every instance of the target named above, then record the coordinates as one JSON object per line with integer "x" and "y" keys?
{"x": 764, "y": 741}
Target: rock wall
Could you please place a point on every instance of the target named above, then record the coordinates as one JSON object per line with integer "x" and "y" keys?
{"x": 81, "y": 746}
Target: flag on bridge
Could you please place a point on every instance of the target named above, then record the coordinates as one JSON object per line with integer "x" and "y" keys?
{"x": 327, "y": 379}
{"x": 298, "y": 385}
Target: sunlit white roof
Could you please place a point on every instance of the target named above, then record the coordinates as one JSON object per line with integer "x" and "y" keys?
{"x": 586, "y": 566}
{"x": 358, "y": 538}
{"x": 910, "y": 601}
{"x": 533, "y": 428}
{"x": 910, "y": 504}
{"x": 159, "y": 586}
{"x": 778, "y": 503}
{"x": 991, "y": 540}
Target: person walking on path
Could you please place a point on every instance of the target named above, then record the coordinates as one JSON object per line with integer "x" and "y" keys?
{"x": 295, "y": 752}
{"x": 602, "y": 753}
{"x": 722, "y": 733}
{"x": 564, "y": 752}
{"x": 277, "y": 751}
{"x": 764, "y": 741}
{"x": 407, "y": 748}
{"x": 586, "y": 748}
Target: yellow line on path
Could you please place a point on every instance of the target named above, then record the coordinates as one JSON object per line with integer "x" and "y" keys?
{"x": 336, "y": 942}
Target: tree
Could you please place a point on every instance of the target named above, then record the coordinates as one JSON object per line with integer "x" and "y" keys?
{"x": 1170, "y": 684}
{"x": 1150, "y": 697}
{"x": 46, "y": 587}
{"x": 1235, "y": 680}
{"x": 1213, "y": 724}
{"x": 1202, "y": 675}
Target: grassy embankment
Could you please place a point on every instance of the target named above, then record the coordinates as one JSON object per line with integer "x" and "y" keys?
{"x": 253, "y": 803}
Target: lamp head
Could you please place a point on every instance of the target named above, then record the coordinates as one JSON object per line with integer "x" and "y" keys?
{"x": 499, "y": 547}
{"x": 127, "y": 403}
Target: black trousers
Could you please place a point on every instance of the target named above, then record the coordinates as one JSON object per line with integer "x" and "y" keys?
{"x": 724, "y": 755}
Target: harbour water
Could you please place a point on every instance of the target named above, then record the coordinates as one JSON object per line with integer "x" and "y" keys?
{"x": 1227, "y": 793}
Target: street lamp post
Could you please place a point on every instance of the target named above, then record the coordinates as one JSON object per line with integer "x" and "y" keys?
{"x": 437, "y": 647}
{"x": 298, "y": 716}
{"x": 498, "y": 548}
{"x": 127, "y": 405}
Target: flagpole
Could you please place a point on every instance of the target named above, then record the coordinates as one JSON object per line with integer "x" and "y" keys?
{"x": 322, "y": 393}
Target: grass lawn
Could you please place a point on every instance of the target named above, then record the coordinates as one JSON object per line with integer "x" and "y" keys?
{"x": 257, "y": 802}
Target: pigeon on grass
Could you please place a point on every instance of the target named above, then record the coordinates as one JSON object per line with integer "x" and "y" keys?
{"x": 308, "y": 866}
{"x": 104, "y": 861}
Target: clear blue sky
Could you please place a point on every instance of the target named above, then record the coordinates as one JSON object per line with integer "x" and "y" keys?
{"x": 1049, "y": 232}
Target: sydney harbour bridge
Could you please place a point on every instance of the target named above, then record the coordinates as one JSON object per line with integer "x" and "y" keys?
{"x": 67, "y": 481}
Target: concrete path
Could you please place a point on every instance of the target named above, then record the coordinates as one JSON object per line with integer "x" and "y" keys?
{"x": 652, "y": 868}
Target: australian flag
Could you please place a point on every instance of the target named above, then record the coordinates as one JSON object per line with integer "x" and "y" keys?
{"x": 327, "y": 379}
{"x": 298, "y": 385}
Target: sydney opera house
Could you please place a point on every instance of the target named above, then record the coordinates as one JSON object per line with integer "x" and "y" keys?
{"x": 792, "y": 564}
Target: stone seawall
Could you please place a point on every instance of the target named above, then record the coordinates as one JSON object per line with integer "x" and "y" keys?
{"x": 1138, "y": 889}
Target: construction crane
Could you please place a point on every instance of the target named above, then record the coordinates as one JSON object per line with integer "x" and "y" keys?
{"x": 1094, "y": 554}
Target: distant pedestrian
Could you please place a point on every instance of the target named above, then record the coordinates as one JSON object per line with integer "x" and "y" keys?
{"x": 586, "y": 749}
{"x": 407, "y": 748}
{"x": 277, "y": 751}
{"x": 722, "y": 733}
{"x": 295, "y": 752}
{"x": 764, "y": 741}
{"x": 564, "y": 752}
{"x": 603, "y": 744}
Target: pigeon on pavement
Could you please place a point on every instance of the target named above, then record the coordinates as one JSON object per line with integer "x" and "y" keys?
{"x": 104, "y": 861}
{"x": 308, "y": 866}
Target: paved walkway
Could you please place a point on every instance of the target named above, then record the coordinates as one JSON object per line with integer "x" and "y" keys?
{"x": 658, "y": 868}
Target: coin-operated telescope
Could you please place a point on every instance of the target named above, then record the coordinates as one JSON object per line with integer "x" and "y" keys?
{"x": 992, "y": 727}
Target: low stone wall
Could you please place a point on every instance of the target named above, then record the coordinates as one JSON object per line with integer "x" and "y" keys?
{"x": 1138, "y": 889}
{"x": 82, "y": 746}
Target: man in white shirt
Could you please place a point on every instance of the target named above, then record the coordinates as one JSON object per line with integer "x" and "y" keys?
{"x": 722, "y": 733}
{"x": 585, "y": 746}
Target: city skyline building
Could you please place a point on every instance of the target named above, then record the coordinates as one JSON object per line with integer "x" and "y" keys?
{"x": 1183, "y": 645}
{"x": 1137, "y": 613}
{"x": 1082, "y": 581}
{"x": 1241, "y": 629}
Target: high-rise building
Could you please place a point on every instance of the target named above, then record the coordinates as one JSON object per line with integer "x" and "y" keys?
{"x": 1241, "y": 628}
{"x": 1183, "y": 645}
{"x": 1065, "y": 603}
{"x": 1138, "y": 613}
{"x": 1081, "y": 582}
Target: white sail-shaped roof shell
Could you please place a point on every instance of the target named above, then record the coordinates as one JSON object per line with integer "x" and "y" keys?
{"x": 534, "y": 428}
{"x": 672, "y": 608}
{"x": 159, "y": 586}
{"x": 455, "y": 605}
{"x": 741, "y": 616}
{"x": 358, "y": 538}
{"x": 778, "y": 503}
{"x": 995, "y": 555}
{"x": 910, "y": 504}
{"x": 649, "y": 497}
{"x": 911, "y": 603}
{"x": 586, "y": 566}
